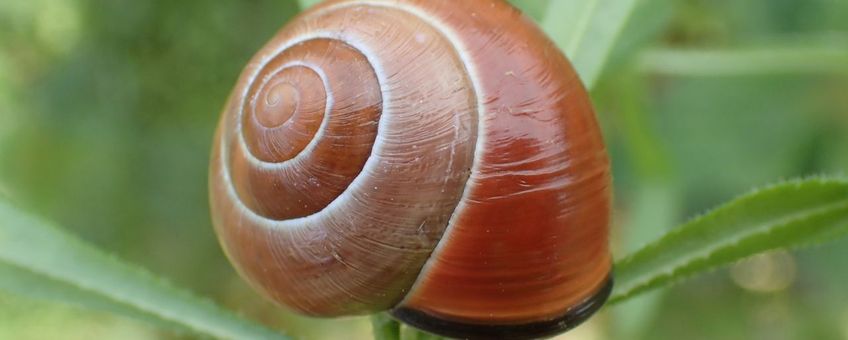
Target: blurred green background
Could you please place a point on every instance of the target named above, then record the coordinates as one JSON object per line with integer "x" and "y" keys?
{"x": 107, "y": 110}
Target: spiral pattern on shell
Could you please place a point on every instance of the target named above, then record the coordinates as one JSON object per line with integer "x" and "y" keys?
{"x": 434, "y": 156}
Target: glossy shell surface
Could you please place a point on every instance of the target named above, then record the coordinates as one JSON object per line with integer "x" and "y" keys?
{"x": 433, "y": 156}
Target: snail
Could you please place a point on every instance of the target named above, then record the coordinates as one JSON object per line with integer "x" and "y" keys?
{"x": 436, "y": 159}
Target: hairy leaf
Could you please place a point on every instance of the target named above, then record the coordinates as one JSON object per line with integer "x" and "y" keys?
{"x": 38, "y": 259}
{"x": 787, "y": 215}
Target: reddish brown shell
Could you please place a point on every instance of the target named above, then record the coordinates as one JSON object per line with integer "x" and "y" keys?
{"x": 437, "y": 158}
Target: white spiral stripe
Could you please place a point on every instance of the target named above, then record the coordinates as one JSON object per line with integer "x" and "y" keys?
{"x": 295, "y": 223}
{"x": 371, "y": 162}
{"x": 312, "y": 143}
{"x": 467, "y": 62}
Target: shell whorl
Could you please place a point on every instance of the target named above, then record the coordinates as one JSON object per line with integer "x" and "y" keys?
{"x": 380, "y": 154}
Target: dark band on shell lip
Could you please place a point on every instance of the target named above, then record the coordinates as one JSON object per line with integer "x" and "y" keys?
{"x": 534, "y": 330}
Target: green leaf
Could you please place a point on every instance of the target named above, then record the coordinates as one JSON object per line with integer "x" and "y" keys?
{"x": 787, "y": 215}
{"x": 746, "y": 61}
{"x": 22, "y": 282}
{"x": 304, "y": 4}
{"x": 38, "y": 259}
{"x": 533, "y": 8}
{"x": 587, "y": 31}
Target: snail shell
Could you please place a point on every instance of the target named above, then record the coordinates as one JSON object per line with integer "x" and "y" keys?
{"x": 439, "y": 159}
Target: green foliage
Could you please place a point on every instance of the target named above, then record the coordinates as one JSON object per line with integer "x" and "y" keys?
{"x": 789, "y": 215}
{"x": 587, "y": 31}
{"x": 38, "y": 259}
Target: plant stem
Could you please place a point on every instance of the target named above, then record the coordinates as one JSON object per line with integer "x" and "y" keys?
{"x": 385, "y": 328}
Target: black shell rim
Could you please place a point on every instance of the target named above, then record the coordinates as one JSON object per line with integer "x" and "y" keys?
{"x": 461, "y": 330}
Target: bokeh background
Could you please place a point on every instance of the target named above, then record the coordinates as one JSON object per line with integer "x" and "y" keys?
{"x": 107, "y": 110}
